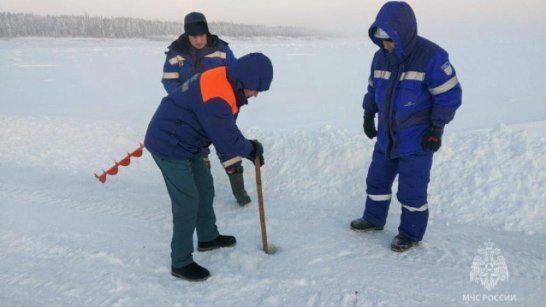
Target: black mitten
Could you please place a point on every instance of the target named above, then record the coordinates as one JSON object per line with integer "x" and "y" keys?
{"x": 432, "y": 139}
{"x": 369, "y": 126}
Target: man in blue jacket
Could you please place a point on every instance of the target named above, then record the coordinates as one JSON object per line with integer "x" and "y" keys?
{"x": 199, "y": 113}
{"x": 196, "y": 51}
{"x": 414, "y": 90}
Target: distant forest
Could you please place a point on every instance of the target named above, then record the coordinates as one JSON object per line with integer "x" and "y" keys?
{"x": 18, "y": 24}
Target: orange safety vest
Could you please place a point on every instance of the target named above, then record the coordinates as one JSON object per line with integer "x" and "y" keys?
{"x": 214, "y": 84}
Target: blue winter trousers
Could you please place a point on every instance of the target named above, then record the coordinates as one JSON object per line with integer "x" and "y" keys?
{"x": 191, "y": 189}
{"x": 413, "y": 177}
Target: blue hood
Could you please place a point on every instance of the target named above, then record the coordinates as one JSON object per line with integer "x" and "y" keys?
{"x": 253, "y": 71}
{"x": 398, "y": 20}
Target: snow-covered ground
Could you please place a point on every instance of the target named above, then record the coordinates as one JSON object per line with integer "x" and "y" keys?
{"x": 69, "y": 107}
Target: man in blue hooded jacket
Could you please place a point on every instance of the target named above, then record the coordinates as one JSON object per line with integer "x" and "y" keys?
{"x": 414, "y": 90}
{"x": 199, "y": 113}
{"x": 196, "y": 51}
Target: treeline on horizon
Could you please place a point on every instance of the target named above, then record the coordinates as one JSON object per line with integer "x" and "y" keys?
{"x": 21, "y": 24}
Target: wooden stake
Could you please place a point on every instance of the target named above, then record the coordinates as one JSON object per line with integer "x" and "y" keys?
{"x": 261, "y": 204}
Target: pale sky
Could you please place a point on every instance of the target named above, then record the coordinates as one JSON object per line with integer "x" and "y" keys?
{"x": 336, "y": 15}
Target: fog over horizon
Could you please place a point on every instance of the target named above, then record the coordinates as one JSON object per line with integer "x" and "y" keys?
{"x": 342, "y": 16}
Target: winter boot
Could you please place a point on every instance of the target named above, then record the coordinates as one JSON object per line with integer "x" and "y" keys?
{"x": 220, "y": 241}
{"x": 237, "y": 183}
{"x": 191, "y": 272}
{"x": 402, "y": 243}
{"x": 361, "y": 225}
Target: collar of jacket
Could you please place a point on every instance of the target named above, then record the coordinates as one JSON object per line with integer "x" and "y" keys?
{"x": 182, "y": 43}
{"x": 239, "y": 94}
{"x": 237, "y": 89}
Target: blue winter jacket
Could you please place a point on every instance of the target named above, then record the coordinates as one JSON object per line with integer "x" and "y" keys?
{"x": 202, "y": 111}
{"x": 412, "y": 88}
{"x": 183, "y": 61}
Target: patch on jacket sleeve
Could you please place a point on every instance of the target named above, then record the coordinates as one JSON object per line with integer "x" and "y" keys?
{"x": 177, "y": 60}
{"x": 447, "y": 68}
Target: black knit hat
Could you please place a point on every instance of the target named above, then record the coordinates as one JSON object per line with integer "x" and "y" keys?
{"x": 195, "y": 23}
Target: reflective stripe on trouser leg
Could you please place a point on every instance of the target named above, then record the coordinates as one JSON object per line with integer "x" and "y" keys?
{"x": 413, "y": 179}
{"x": 377, "y": 210}
{"x": 379, "y": 181}
{"x": 413, "y": 224}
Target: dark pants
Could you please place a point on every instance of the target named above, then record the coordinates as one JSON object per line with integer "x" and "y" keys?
{"x": 191, "y": 189}
{"x": 413, "y": 178}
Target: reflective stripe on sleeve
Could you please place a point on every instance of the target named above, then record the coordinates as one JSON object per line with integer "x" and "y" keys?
{"x": 370, "y": 82}
{"x": 451, "y": 83}
{"x": 380, "y": 197}
{"x": 216, "y": 54}
{"x": 413, "y": 75}
{"x": 171, "y": 75}
{"x": 176, "y": 60}
{"x": 381, "y": 74}
{"x": 186, "y": 84}
{"x": 231, "y": 161}
{"x": 413, "y": 209}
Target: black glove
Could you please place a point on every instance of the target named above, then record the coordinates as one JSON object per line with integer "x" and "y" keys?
{"x": 369, "y": 126}
{"x": 432, "y": 139}
{"x": 257, "y": 151}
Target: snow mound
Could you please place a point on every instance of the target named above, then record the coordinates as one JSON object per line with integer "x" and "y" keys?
{"x": 491, "y": 177}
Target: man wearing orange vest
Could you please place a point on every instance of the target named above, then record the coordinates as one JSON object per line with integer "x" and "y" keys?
{"x": 201, "y": 112}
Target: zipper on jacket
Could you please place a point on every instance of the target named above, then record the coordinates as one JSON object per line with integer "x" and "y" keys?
{"x": 396, "y": 72}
